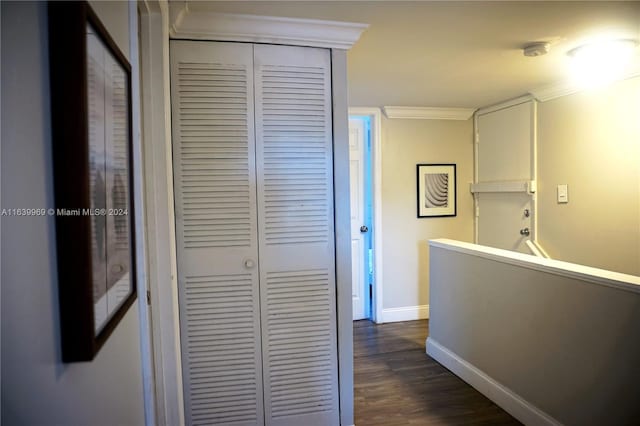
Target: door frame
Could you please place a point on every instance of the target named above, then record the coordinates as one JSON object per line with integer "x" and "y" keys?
{"x": 360, "y": 195}
{"x": 159, "y": 213}
{"x": 375, "y": 116}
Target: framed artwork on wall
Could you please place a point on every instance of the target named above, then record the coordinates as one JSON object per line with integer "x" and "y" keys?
{"x": 436, "y": 185}
{"x": 92, "y": 153}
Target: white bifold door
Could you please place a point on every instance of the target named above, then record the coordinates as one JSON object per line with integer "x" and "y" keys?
{"x": 253, "y": 182}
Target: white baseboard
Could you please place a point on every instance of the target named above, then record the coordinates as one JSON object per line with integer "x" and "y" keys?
{"x": 511, "y": 402}
{"x": 406, "y": 313}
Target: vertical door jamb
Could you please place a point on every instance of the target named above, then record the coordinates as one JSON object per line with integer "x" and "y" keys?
{"x": 159, "y": 212}
{"x": 342, "y": 232}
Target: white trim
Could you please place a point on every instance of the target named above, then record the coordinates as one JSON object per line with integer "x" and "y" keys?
{"x": 554, "y": 91}
{"x": 376, "y": 169}
{"x": 428, "y": 113}
{"x": 342, "y": 212}
{"x": 506, "y": 104}
{"x": 558, "y": 90}
{"x": 203, "y": 25}
{"x": 536, "y": 249}
{"x": 511, "y": 402}
{"x": 476, "y": 160}
{"x": 146, "y": 349}
{"x": 534, "y": 169}
{"x": 504, "y": 186}
{"x": 1, "y": 269}
{"x": 586, "y": 274}
{"x": 160, "y": 230}
{"x": 406, "y": 313}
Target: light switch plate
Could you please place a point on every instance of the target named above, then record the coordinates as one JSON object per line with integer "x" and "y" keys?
{"x": 563, "y": 193}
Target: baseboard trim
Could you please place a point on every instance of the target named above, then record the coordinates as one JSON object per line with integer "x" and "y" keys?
{"x": 502, "y": 396}
{"x": 405, "y": 313}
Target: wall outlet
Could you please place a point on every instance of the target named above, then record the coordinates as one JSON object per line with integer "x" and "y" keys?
{"x": 563, "y": 194}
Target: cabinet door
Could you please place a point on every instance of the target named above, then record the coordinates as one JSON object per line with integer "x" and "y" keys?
{"x": 217, "y": 247}
{"x": 296, "y": 235}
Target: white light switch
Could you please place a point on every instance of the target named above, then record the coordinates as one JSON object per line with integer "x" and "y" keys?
{"x": 563, "y": 194}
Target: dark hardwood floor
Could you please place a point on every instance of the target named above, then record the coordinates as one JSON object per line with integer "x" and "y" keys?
{"x": 397, "y": 383}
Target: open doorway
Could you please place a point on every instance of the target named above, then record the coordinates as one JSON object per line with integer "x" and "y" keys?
{"x": 361, "y": 215}
{"x": 366, "y": 227}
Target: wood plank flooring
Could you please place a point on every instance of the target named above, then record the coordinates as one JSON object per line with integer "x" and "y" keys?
{"x": 397, "y": 383}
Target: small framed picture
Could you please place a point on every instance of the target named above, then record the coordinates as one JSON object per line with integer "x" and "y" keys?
{"x": 436, "y": 185}
{"x": 92, "y": 149}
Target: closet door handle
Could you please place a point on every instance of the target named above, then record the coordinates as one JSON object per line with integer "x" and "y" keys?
{"x": 249, "y": 263}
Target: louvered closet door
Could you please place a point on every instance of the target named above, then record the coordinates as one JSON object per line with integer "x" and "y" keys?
{"x": 217, "y": 248}
{"x": 296, "y": 233}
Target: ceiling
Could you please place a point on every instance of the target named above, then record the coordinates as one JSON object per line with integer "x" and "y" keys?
{"x": 455, "y": 54}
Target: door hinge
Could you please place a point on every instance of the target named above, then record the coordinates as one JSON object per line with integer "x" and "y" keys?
{"x": 477, "y": 138}
{"x": 148, "y": 298}
{"x": 477, "y": 211}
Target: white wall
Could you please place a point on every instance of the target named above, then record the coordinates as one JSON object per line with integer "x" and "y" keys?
{"x": 591, "y": 141}
{"x": 563, "y": 342}
{"x": 407, "y": 143}
{"x": 36, "y": 387}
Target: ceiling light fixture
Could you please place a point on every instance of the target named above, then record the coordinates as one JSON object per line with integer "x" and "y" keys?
{"x": 601, "y": 62}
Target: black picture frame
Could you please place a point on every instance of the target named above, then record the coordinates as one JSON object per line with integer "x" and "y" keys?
{"x": 90, "y": 86}
{"x": 436, "y": 190}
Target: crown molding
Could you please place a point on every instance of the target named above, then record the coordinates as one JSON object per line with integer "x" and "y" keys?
{"x": 428, "y": 113}
{"x": 553, "y": 91}
{"x": 203, "y": 25}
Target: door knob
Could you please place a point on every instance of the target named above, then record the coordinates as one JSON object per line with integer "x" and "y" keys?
{"x": 525, "y": 232}
{"x": 249, "y": 263}
{"x": 364, "y": 228}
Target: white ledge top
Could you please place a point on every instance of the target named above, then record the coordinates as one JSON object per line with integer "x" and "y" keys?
{"x": 556, "y": 267}
{"x": 204, "y": 25}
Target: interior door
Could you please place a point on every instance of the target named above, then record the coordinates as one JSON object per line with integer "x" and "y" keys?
{"x": 356, "y": 169}
{"x": 296, "y": 235}
{"x": 505, "y": 156}
{"x": 216, "y": 231}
